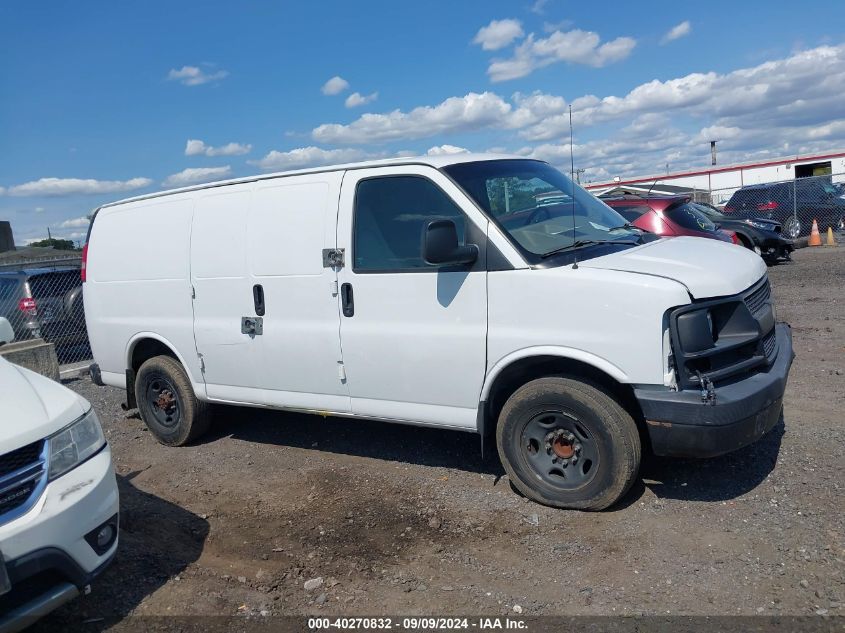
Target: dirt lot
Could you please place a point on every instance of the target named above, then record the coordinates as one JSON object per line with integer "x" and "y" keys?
{"x": 402, "y": 520}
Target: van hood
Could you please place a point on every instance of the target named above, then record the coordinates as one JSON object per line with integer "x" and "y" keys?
{"x": 708, "y": 268}
{"x": 33, "y": 407}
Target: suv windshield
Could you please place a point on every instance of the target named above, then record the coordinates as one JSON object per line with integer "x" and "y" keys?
{"x": 541, "y": 210}
{"x": 689, "y": 217}
{"x": 710, "y": 212}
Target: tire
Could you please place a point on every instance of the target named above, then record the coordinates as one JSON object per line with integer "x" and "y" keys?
{"x": 791, "y": 228}
{"x": 167, "y": 402}
{"x": 74, "y": 306}
{"x": 595, "y": 442}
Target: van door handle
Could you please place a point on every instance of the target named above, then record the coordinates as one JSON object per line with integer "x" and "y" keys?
{"x": 258, "y": 299}
{"x": 347, "y": 300}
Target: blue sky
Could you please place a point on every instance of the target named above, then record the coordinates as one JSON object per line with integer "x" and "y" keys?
{"x": 98, "y": 100}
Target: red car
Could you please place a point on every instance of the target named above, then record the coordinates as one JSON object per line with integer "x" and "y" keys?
{"x": 668, "y": 216}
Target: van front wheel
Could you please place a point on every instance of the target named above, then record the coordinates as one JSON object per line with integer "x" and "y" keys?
{"x": 167, "y": 402}
{"x": 565, "y": 443}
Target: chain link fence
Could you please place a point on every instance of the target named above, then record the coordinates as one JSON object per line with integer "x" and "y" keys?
{"x": 794, "y": 203}
{"x": 46, "y": 302}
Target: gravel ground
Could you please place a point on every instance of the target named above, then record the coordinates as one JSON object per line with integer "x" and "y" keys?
{"x": 277, "y": 513}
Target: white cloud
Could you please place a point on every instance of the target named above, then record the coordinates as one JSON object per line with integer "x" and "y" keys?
{"x": 310, "y": 157}
{"x": 195, "y": 147}
{"x": 194, "y": 175}
{"x": 445, "y": 150}
{"x": 357, "y": 99}
{"x": 539, "y": 7}
{"x": 472, "y": 111}
{"x": 551, "y": 27}
{"x": 805, "y": 87}
{"x": 335, "y": 86}
{"x": 75, "y": 186}
{"x": 790, "y": 105}
{"x": 676, "y": 32}
{"x": 498, "y": 34}
{"x": 575, "y": 46}
{"x": 75, "y": 223}
{"x": 195, "y": 76}
{"x": 39, "y": 209}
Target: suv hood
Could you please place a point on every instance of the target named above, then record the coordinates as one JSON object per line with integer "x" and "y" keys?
{"x": 708, "y": 268}
{"x": 33, "y": 407}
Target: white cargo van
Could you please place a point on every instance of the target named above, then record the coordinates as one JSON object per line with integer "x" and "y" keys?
{"x": 446, "y": 291}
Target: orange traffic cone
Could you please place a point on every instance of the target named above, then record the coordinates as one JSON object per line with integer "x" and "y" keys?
{"x": 815, "y": 238}
{"x": 830, "y": 240}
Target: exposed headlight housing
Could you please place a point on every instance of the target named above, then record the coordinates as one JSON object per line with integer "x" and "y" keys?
{"x": 696, "y": 331}
{"x": 715, "y": 339}
{"x": 75, "y": 443}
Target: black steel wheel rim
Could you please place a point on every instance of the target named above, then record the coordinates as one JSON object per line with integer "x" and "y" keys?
{"x": 163, "y": 400}
{"x": 560, "y": 449}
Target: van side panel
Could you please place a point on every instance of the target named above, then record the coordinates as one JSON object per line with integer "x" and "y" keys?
{"x": 222, "y": 286}
{"x": 291, "y": 221}
{"x": 269, "y": 235}
{"x": 138, "y": 281}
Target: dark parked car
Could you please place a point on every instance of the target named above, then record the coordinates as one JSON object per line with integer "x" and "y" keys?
{"x": 44, "y": 303}
{"x": 816, "y": 199}
{"x": 668, "y": 216}
{"x": 761, "y": 235}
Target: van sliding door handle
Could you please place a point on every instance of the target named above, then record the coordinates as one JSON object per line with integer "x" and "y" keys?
{"x": 347, "y": 301}
{"x": 258, "y": 299}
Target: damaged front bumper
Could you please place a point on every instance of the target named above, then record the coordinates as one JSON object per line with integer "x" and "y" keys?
{"x": 680, "y": 424}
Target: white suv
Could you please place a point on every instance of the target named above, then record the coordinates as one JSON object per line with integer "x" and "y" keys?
{"x": 58, "y": 496}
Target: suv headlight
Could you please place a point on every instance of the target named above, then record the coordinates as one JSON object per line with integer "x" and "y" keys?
{"x": 75, "y": 443}
{"x": 759, "y": 225}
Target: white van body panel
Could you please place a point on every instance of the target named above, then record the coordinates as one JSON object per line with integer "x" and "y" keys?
{"x": 594, "y": 316}
{"x": 416, "y": 346}
{"x": 708, "y": 268}
{"x": 269, "y": 234}
{"x": 138, "y": 280}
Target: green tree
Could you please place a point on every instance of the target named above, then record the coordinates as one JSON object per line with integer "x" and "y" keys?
{"x": 59, "y": 245}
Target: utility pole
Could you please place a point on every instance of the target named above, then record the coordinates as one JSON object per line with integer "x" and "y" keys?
{"x": 49, "y": 237}
{"x": 578, "y": 173}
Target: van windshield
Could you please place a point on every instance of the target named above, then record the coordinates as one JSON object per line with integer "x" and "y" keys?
{"x": 540, "y": 209}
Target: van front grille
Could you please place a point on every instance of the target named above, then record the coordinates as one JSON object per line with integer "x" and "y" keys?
{"x": 758, "y": 297}
{"x": 770, "y": 344}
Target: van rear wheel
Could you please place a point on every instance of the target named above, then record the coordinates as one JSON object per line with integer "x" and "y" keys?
{"x": 167, "y": 402}
{"x": 566, "y": 444}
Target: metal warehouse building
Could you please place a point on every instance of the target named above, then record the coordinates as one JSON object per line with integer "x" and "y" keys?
{"x": 723, "y": 181}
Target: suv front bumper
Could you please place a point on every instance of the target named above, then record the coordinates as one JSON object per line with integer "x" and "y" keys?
{"x": 46, "y": 552}
{"x": 776, "y": 246}
{"x": 681, "y": 425}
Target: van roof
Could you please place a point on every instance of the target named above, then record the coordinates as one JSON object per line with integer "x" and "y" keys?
{"x": 432, "y": 161}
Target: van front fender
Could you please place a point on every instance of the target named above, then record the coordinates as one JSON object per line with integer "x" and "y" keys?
{"x": 564, "y": 353}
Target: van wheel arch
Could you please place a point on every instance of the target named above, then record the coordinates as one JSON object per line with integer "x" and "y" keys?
{"x": 145, "y": 348}
{"x": 525, "y": 370}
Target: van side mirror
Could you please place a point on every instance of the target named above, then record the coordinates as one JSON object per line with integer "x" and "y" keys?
{"x": 440, "y": 246}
